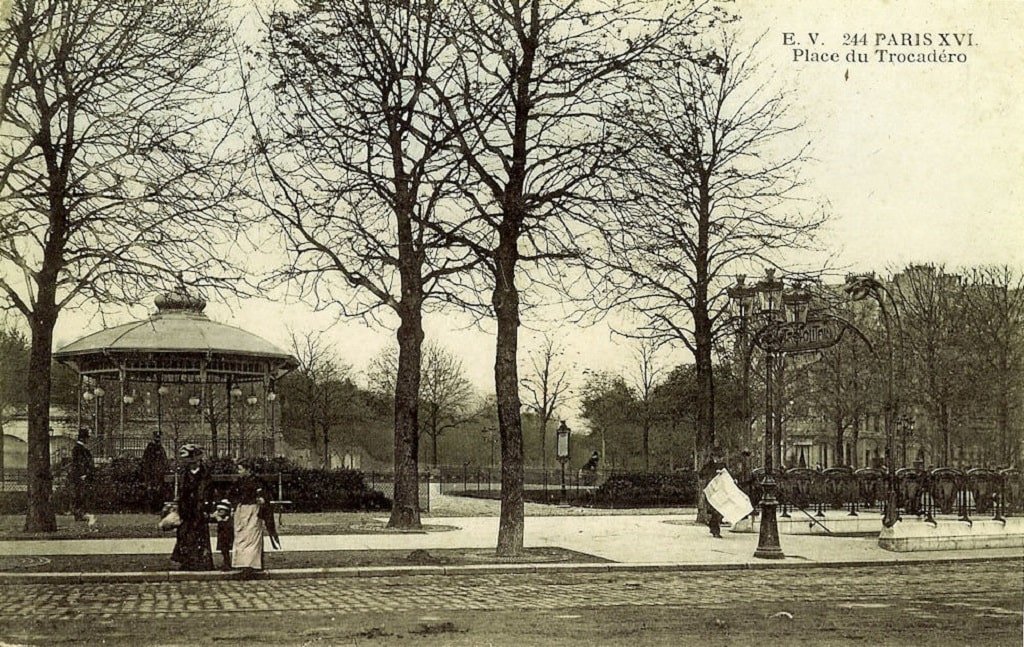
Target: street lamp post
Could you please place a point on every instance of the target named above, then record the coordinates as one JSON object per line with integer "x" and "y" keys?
{"x": 272, "y": 398}
{"x": 905, "y": 430}
{"x": 194, "y": 401}
{"x": 864, "y": 286}
{"x": 562, "y": 453}
{"x": 744, "y": 296}
{"x": 785, "y": 328}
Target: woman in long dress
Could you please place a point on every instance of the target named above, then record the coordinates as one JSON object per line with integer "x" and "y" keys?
{"x": 192, "y": 548}
{"x": 253, "y": 520}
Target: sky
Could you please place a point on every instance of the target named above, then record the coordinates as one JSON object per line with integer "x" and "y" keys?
{"x": 915, "y": 162}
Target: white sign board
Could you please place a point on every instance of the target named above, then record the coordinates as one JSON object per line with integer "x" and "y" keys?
{"x": 726, "y": 497}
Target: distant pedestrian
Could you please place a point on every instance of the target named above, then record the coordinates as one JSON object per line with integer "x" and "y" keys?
{"x": 192, "y": 549}
{"x": 80, "y": 475}
{"x": 254, "y": 519}
{"x": 225, "y": 532}
{"x": 588, "y": 473}
{"x": 711, "y": 468}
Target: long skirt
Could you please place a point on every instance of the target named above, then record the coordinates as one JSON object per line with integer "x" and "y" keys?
{"x": 192, "y": 549}
{"x": 248, "y": 545}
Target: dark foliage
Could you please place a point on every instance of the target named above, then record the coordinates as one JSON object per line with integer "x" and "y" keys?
{"x": 116, "y": 487}
{"x": 120, "y": 487}
{"x": 638, "y": 489}
{"x": 13, "y": 502}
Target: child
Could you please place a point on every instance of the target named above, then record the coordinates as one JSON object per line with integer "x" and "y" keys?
{"x": 225, "y": 532}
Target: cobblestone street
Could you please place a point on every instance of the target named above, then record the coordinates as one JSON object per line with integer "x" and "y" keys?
{"x": 936, "y": 596}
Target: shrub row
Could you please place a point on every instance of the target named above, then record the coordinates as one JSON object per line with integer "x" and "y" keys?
{"x": 640, "y": 489}
{"x": 120, "y": 486}
{"x": 624, "y": 490}
{"x": 13, "y": 502}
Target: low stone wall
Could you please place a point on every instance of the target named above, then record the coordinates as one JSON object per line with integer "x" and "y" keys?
{"x": 952, "y": 534}
{"x": 834, "y": 523}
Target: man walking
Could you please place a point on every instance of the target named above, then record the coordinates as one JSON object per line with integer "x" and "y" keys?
{"x": 80, "y": 474}
{"x": 714, "y": 465}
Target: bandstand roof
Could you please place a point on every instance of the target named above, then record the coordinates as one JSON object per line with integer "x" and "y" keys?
{"x": 178, "y": 343}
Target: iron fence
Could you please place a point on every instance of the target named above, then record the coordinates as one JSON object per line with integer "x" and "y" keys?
{"x": 465, "y": 478}
{"x": 384, "y": 482}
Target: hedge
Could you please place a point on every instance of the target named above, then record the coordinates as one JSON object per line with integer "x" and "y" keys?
{"x": 641, "y": 489}
{"x": 623, "y": 490}
{"x": 13, "y": 502}
{"x": 120, "y": 487}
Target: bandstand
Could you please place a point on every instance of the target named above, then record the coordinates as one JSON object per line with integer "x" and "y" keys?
{"x": 182, "y": 376}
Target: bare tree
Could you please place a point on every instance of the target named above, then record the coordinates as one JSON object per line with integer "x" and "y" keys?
{"x": 445, "y": 393}
{"x": 930, "y": 304}
{"x": 607, "y": 403}
{"x": 535, "y": 79}
{"x": 994, "y": 302}
{"x": 13, "y": 352}
{"x": 315, "y": 392}
{"x": 646, "y": 377}
{"x": 547, "y": 387}
{"x": 705, "y": 190}
{"x": 357, "y": 162}
{"x": 114, "y": 166}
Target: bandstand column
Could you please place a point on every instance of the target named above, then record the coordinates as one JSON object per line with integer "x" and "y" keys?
{"x": 227, "y": 395}
{"x": 81, "y": 382}
{"x": 209, "y": 405}
{"x": 266, "y": 429}
{"x": 123, "y": 404}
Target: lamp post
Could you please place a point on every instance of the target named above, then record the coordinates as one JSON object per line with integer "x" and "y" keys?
{"x": 783, "y": 327}
{"x": 562, "y": 453}
{"x": 161, "y": 391}
{"x": 865, "y": 286}
{"x": 743, "y": 297}
{"x": 272, "y": 398}
{"x": 905, "y": 430}
{"x": 101, "y": 440}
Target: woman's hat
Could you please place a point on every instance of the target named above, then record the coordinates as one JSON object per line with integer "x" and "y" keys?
{"x": 189, "y": 450}
{"x": 223, "y": 505}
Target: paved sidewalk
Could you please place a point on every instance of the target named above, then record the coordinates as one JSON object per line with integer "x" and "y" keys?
{"x": 637, "y": 542}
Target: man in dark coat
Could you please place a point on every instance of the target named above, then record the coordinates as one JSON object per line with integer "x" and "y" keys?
{"x": 154, "y": 469}
{"x": 80, "y": 474}
{"x": 708, "y": 472}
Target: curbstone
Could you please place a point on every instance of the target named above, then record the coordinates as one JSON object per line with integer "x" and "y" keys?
{"x": 470, "y": 569}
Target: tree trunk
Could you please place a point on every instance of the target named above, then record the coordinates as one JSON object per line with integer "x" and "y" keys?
{"x": 505, "y": 301}
{"x": 703, "y": 339}
{"x": 854, "y": 458}
{"x": 405, "y": 512}
{"x": 327, "y": 448}
{"x": 433, "y": 446}
{"x": 839, "y": 458}
{"x": 647, "y": 446}
{"x": 947, "y": 449}
{"x": 40, "y": 516}
{"x": 543, "y": 441}
{"x": 312, "y": 427}
{"x": 1007, "y": 450}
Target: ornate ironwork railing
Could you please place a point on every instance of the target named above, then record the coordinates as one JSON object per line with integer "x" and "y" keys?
{"x": 926, "y": 494}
